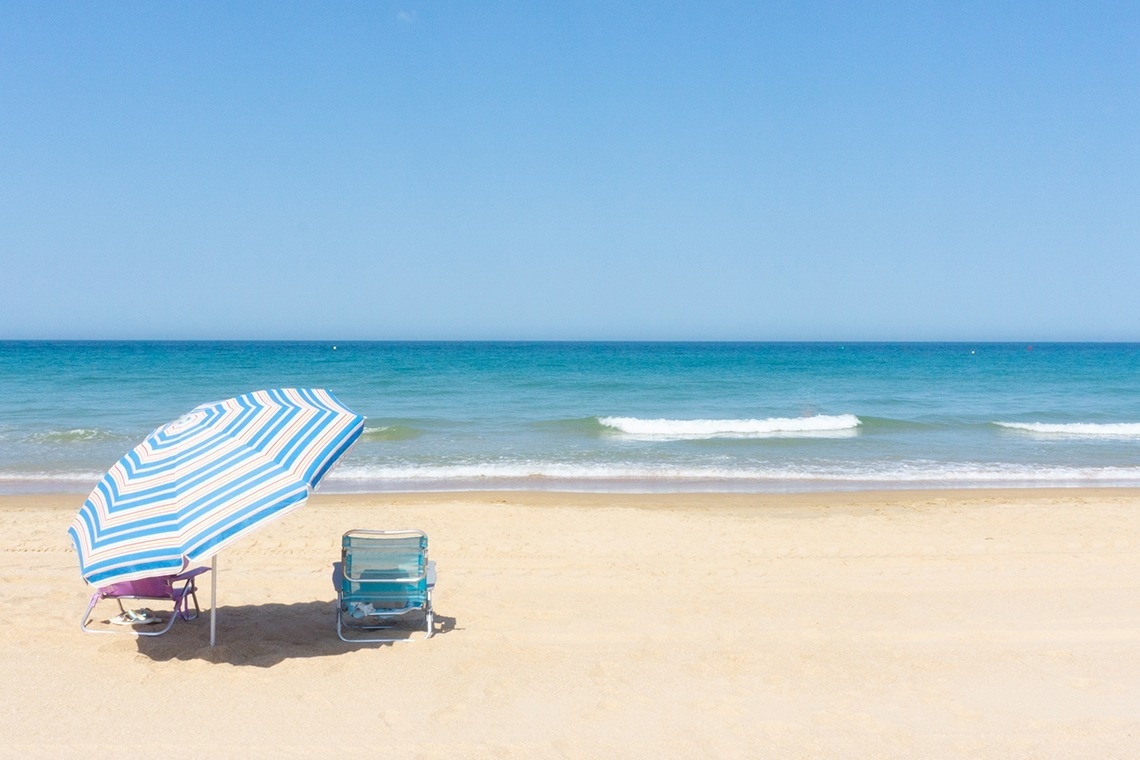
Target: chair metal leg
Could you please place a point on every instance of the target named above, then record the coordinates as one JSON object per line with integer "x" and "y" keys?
{"x": 87, "y": 615}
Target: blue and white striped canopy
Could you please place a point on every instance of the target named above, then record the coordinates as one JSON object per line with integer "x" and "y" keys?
{"x": 210, "y": 477}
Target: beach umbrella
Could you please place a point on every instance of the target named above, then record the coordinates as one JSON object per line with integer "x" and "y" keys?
{"x": 203, "y": 481}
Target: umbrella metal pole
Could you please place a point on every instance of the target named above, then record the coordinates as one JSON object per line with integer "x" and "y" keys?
{"x": 213, "y": 599}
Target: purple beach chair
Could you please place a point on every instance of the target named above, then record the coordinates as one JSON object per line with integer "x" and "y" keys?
{"x": 180, "y": 589}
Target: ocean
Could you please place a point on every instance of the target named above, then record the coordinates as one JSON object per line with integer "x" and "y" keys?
{"x": 634, "y": 417}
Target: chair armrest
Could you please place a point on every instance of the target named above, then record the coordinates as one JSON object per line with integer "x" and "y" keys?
{"x": 192, "y": 573}
{"x": 430, "y": 573}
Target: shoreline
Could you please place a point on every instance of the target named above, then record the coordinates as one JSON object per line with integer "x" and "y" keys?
{"x": 684, "y": 499}
{"x": 941, "y": 624}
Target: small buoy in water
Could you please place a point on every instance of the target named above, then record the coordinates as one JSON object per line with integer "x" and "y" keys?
{"x": 334, "y": 348}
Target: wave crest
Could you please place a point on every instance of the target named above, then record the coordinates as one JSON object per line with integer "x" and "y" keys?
{"x": 390, "y": 433}
{"x": 840, "y": 425}
{"x": 1077, "y": 429}
{"x": 77, "y": 435}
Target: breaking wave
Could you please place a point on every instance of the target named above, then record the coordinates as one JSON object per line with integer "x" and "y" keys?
{"x": 76, "y": 435}
{"x": 833, "y": 426}
{"x": 1077, "y": 429}
{"x": 390, "y": 433}
{"x": 650, "y": 477}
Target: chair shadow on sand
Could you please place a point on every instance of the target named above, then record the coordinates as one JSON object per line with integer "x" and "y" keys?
{"x": 263, "y": 635}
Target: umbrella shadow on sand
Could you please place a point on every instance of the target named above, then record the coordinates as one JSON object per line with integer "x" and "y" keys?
{"x": 263, "y": 635}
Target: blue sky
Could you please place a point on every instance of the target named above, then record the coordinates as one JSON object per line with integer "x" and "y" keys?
{"x": 581, "y": 170}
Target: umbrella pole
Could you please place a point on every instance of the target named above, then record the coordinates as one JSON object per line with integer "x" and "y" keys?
{"x": 213, "y": 599}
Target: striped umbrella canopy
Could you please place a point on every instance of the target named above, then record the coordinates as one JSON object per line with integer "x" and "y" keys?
{"x": 198, "y": 484}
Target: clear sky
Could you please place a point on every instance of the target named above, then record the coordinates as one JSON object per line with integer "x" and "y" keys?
{"x": 576, "y": 170}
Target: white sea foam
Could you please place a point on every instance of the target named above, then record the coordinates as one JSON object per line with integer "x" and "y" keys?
{"x": 635, "y": 428}
{"x": 658, "y": 476}
{"x": 49, "y": 482}
{"x": 539, "y": 475}
{"x": 1077, "y": 429}
{"x": 51, "y": 477}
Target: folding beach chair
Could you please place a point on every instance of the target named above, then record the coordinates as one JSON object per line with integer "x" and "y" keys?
{"x": 180, "y": 589}
{"x": 383, "y": 576}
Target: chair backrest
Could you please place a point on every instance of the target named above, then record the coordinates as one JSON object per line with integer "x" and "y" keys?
{"x": 385, "y": 568}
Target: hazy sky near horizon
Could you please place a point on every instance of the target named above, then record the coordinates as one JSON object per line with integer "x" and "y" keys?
{"x": 582, "y": 170}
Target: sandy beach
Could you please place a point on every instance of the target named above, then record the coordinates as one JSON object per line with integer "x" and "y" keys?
{"x": 935, "y": 624}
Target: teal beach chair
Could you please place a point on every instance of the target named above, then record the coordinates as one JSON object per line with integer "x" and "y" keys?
{"x": 383, "y": 577}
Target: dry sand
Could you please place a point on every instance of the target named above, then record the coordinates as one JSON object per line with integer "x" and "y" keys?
{"x": 937, "y": 624}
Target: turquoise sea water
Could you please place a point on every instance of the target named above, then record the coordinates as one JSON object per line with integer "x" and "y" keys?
{"x": 609, "y": 416}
